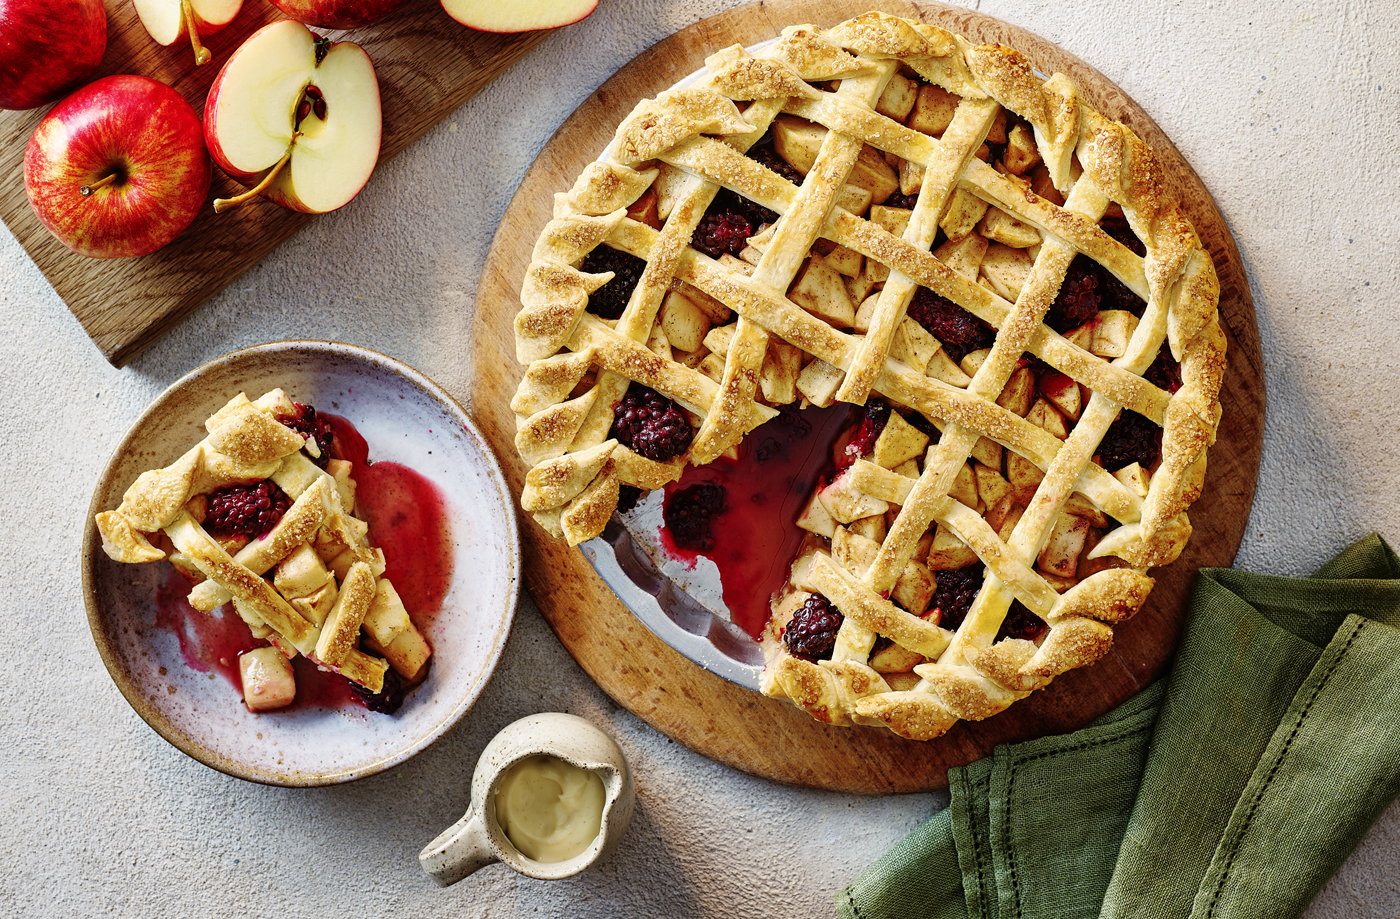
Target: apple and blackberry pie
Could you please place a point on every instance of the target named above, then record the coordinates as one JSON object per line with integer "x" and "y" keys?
{"x": 260, "y": 515}
{"x": 886, "y": 215}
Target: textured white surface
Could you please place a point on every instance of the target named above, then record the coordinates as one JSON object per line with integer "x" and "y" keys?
{"x": 1288, "y": 113}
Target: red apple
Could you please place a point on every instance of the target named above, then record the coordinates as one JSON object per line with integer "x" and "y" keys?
{"x": 296, "y": 117}
{"x": 337, "y": 14}
{"x": 118, "y": 168}
{"x": 47, "y": 47}
{"x": 517, "y": 15}
{"x": 168, "y": 21}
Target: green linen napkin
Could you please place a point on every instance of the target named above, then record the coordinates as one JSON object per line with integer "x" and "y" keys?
{"x": 1232, "y": 788}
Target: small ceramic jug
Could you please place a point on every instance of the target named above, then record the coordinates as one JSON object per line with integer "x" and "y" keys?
{"x": 478, "y": 840}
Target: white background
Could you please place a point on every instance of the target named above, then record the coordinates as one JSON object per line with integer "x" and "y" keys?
{"x": 1287, "y": 111}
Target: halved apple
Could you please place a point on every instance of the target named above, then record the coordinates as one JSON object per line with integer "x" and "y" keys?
{"x": 296, "y": 117}
{"x": 168, "y": 21}
{"x": 519, "y": 15}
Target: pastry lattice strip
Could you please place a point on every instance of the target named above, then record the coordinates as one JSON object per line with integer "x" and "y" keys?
{"x": 966, "y": 678}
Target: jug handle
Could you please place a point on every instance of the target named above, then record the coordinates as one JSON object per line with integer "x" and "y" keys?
{"x": 460, "y": 850}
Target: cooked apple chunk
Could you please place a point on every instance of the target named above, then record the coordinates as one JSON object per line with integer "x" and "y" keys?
{"x": 933, "y": 110}
{"x": 815, "y": 519}
{"x": 949, "y": 552}
{"x": 961, "y": 216}
{"x": 845, "y": 503}
{"x": 898, "y": 98}
{"x": 895, "y": 659}
{"x": 1022, "y": 155}
{"x": 1112, "y": 330}
{"x": 1019, "y": 392}
{"x": 1005, "y": 270}
{"x": 684, "y": 323}
{"x": 1063, "y": 393}
{"x": 818, "y": 383}
{"x": 267, "y": 679}
{"x": 898, "y": 442}
{"x": 999, "y": 226}
{"x": 408, "y": 653}
{"x": 1061, "y": 553}
{"x": 778, "y": 376}
{"x": 964, "y": 254}
{"x": 821, "y": 291}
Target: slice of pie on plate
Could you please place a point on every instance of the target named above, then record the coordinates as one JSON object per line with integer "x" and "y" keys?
{"x": 884, "y": 214}
{"x": 259, "y": 515}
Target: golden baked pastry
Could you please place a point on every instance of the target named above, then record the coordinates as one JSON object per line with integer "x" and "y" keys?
{"x": 250, "y": 515}
{"x": 884, "y": 214}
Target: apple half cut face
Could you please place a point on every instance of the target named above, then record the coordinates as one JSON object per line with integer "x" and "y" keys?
{"x": 168, "y": 21}
{"x": 517, "y": 16}
{"x": 296, "y": 117}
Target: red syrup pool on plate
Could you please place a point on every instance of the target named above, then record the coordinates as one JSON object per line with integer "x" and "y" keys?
{"x": 407, "y": 519}
{"x": 752, "y": 504}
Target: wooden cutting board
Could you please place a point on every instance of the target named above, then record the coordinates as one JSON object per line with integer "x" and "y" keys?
{"x": 428, "y": 65}
{"x": 741, "y": 728}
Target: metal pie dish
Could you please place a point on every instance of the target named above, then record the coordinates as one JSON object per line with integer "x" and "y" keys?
{"x": 667, "y": 604}
{"x": 405, "y": 418}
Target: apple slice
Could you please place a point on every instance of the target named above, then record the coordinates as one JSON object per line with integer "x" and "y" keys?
{"x": 168, "y": 21}
{"x": 519, "y": 15}
{"x": 296, "y": 117}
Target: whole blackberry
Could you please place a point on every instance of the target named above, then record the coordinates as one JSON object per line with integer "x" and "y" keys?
{"x": 608, "y": 301}
{"x": 899, "y": 199}
{"x": 1020, "y": 622}
{"x": 1115, "y": 295}
{"x": 245, "y": 510}
{"x": 1118, "y": 228}
{"x": 728, "y": 202}
{"x": 651, "y": 424}
{"x": 722, "y": 231}
{"x": 954, "y": 593}
{"x": 689, "y": 515}
{"x": 1130, "y": 439}
{"x": 958, "y": 330}
{"x": 1165, "y": 372}
{"x": 390, "y": 697}
{"x": 811, "y": 633}
{"x": 310, "y": 425}
{"x": 1078, "y": 300}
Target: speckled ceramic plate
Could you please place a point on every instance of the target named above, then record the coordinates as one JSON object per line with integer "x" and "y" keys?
{"x": 405, "y": 418}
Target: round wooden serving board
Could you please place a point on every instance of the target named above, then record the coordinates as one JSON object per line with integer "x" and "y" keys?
{"x": 743, "y": 729}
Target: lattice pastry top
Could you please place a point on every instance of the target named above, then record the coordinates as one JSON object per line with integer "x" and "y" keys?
{"x": 251, "y": 517}
{"x": 884, "y": 214}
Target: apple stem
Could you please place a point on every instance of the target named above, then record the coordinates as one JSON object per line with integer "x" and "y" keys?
{"x": 201, "y": 53}
{"x": 108, "y": 179}
{"x": 223, "y": 204}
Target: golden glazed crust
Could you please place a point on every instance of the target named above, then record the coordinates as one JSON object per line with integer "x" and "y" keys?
{"x": 1012, "y": 480}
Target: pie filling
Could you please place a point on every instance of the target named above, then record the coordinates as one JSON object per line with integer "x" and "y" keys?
{"x": 982, "y": 269}
{"x": 261, "y": 516}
